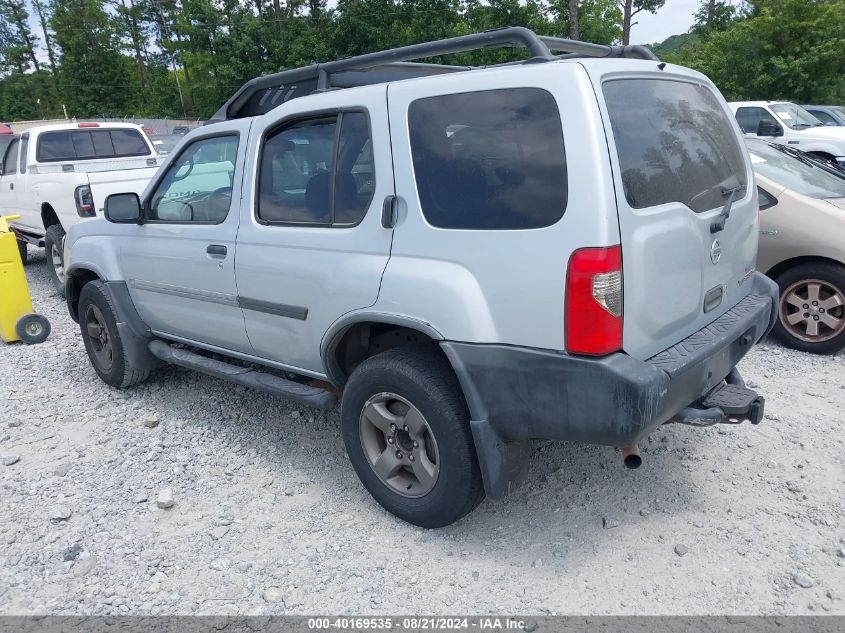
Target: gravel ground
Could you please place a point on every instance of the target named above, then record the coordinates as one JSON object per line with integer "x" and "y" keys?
{"x": 268, "y": 517}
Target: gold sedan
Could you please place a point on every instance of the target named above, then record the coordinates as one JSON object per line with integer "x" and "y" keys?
{"x": 802, "y": 244}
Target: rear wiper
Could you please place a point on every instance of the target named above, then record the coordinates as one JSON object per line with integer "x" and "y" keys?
{"x": 719, "y": 224}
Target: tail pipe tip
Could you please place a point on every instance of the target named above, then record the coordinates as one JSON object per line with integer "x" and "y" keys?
{"x": 631, "y": 456}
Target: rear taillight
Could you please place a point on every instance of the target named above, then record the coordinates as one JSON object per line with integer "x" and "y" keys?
{"x": 84, "y": 201}
{"x": 594, "y": 301}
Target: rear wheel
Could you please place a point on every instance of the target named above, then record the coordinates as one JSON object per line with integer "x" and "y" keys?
{"x": 407, "y": 434}
{"x": 106, "y": 349}
{"x": 54, "y": 248}
{"x": 811, "y": 311}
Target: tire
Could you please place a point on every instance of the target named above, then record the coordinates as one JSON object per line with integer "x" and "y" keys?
{"x": 410, "y": 381}
{"x": 54, "y": 251}
{"x": 819, "y": 328}
{"x": 105, "y": 348}
{"x": 32, "y": 329}
{"x": 24, "y": 252}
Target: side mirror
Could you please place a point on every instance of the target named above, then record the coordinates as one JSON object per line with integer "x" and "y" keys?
{"x": 769, "y": 128}
{"x": 123, "y": 208}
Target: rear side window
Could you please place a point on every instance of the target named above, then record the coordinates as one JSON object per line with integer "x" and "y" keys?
{"x": 675, "y": 144}
{"x": 492, "y": 159}
{"x": 317, "y": 172}
{"x": 90, "y": 144}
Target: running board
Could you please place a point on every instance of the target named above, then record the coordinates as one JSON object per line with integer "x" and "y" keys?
{"x": 269, "y": 383}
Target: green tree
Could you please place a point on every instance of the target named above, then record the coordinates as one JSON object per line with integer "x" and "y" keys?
{"x": 786, "y": 49}
{"x": 630, "y": 8}
{"x": 94, "y": 78}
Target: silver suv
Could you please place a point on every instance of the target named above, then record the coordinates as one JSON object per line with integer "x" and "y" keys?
{"x": 471, "y": 258}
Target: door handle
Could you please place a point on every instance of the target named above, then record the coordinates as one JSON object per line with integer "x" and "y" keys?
{"x": 11, "y": 185}
{"x": 389, "y": 211}
{"x": 216, "y": 250}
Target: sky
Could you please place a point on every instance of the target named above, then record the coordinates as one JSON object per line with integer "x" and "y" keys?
{"x": 675, "y": 17}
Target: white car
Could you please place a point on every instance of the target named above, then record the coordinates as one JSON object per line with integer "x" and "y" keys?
{"x": 790, "y": 124}
{"x": 55, "y": 176}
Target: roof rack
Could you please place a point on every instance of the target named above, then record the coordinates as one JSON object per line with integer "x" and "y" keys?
{"x": 262, "y": 94}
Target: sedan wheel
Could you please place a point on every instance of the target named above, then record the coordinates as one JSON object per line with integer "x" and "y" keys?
{"x": 813, "y": 310}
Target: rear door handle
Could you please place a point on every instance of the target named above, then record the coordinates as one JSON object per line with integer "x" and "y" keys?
{"x": 216, "y": 250}
{"x": 11, "y": 185}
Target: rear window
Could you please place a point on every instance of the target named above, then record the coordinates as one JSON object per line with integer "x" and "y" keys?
{"x": 675, "y": 144}
{"x": 90, "y": 144}
{"x": 492, "y": 159}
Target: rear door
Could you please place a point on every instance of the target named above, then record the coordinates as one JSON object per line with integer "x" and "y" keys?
{"x": 678, "y": 160}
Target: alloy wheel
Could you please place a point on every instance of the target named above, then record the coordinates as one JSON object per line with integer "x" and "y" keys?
{"x": 98, "y": 334}
{"x": 812, "y": 310}
{"x": 399, "y": 445}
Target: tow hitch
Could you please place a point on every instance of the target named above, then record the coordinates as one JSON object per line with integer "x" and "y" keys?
{"x": 726, "y": 404}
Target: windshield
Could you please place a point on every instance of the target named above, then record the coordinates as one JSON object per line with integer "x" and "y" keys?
{"x": 795, "y": 116}
{"x": 793, "y": 173}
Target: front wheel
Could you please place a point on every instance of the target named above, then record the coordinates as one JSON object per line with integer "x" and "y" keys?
{"x": 811, "y": 311}
{"x": 406, "y": 429}
{"x": 54, "y": 248}
{"x": 106, "y": 349}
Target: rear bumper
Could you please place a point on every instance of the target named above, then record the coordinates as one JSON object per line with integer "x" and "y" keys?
{"x": 517, "y": 394}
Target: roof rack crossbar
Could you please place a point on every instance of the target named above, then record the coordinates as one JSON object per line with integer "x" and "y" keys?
{"x": 393, "y": 62}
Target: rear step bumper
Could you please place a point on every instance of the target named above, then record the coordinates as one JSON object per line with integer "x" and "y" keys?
{"x": 726, "y": 404}
{"x": 516, "y": 394}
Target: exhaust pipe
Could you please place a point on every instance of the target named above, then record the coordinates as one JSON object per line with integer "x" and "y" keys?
{"x": 631, "y": 456}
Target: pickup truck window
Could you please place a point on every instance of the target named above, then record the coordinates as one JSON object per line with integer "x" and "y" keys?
{"x": 10, "y": 160}
{"x": 317, "y": 172}
{"x": 489, "y": 160}
{"x": 90, "y": 145}
{"x": 197, "y": 187}
{"x": 749, "y": 118}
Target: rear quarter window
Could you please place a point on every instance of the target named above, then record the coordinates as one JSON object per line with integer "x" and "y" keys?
{"x": 675, "y": 144}
{"x": 491, "y": 159}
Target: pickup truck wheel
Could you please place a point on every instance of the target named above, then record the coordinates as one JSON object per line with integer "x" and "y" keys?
{"x": 54, "y": 248}
{"x": 102, "y": 340}
{"x": 407, "y": 434}
{"x": 811, "y": 311}
{"x": 24, "y": 253}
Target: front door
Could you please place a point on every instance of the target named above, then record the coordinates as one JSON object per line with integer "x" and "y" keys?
{"x": 311, "y": 245}
{"x": 180, "y": 263}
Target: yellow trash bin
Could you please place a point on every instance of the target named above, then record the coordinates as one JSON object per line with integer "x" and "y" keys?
{"x": 17, "y": 320}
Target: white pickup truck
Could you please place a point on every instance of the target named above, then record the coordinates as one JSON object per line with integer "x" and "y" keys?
{"x": 55, "y": 176}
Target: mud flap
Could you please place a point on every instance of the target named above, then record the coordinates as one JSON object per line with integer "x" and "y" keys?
{"x": 503, "y": 464}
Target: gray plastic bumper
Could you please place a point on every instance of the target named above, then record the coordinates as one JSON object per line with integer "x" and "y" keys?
{"x": 518, "y": 394}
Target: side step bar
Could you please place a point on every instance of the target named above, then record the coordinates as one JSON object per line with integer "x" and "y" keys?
{"x": 269, "y": 383}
